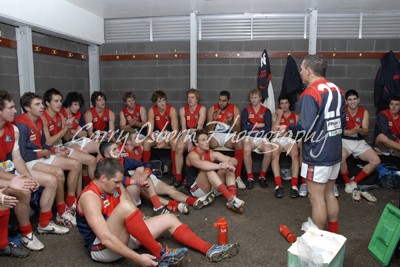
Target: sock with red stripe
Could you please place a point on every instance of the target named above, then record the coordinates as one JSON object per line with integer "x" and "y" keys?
{"x": 262, "y": 174}
{"x": 184, "y": 235}
{"x": 303, "y": 180}
{"x": 250, "y": 176}
{"x": 137, "y": 228}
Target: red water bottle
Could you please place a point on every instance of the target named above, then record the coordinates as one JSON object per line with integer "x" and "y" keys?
{"x": 222, "y": 225}
{"x": 287, "y": 234}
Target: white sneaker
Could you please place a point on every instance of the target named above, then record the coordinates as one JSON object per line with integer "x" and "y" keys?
{"x": 335, "y": 190}
{"x": 52, "y": 228}
{"x": 349, "y": 187}
{"x": 356, "y": 195}
{"x": 303, "y": 190}
{"x": 235, "y": 204}
{"x": 31, "y": 242}
{"x": 72, "y": 209}
{"x": 67, "y": 219}
{"x": 183, "y": 208}
{"x": 239, "y": 183}
{"x": 369, "y": 197}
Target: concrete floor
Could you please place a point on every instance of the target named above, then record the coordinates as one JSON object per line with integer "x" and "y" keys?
{"x": 256, "y": 230}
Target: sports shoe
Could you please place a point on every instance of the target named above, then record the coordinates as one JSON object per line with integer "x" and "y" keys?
{"x": 53, "y": 228}
{"x": 369, "y": 197}
{"x": 250, "y": 184}
{"x": 263, "y": 182}
{"x": 235, "y": 204}
{"x": 31, "y": 242}
{"x": 172, "y": 256}
{"x": 162, "y": 210}
{"x": 349, "y": 187}
{"x": 219, "y": 252}
{"x": 303, "y": 190}
{"x": 240, "y": 184}
{"x": 175, "y": 183}
{"x": 183, "y": 208}
{"x": 12, "y": 250}
{"x": 278, "y": 191}
{"x": 294, "y": 192}
{"x": 72, "y": 209}
{"x": 356, "y": 195}
{"x": 335, "y": 190}
{"x": 183, "y": 188}
{"x": 66, "y": 219}
{"x": 206, "y": 200}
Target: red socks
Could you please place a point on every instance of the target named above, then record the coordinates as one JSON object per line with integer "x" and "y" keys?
{"x": 262, "y": 174}
{"x": 137, "y": 228}
{"x": 173, "y": 161}
{"x": 191, "y": 200}
{"x": 178, "y": 177}
{"x": 360, "y": 176}
{"x": 224, "y": 190}
{"x": 26, "y": 229}
{"x": 69, "y": 200}
{"x": 333, "y": 227}
{"x": 61, "y": 208}
{"x": 44, "y": 218}
{"x": 232, "y": 189}
{"x": 239, "y": 154}
{"x": 4, "y": 218}
{"x": 345, "y": 176}
{"x": 278, "y": 181}
{"x": 184, "y": 235}
{"x": 155, "y": 200}
{"x": 250, "y": 176}
{"x": 294, "y": 181}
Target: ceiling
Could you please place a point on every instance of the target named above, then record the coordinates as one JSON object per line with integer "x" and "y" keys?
{"x": 110, "y": 9}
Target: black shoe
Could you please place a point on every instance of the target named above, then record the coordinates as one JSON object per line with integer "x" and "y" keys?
{"x": 175, "y": 183}
{"x": 160, "y": 211}
{"x": 294, "y": 192}
{"x": 263, "y": 182}
{"x": 279, "y": 192}
{"x": 250, "y": 183}
{"x": 12, "y": 250}
{"x": 183, "y": 188}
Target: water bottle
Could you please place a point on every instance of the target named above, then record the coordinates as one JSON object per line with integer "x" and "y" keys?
{"x": 287, "y": 234}
{"x": 222, "y": 226}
